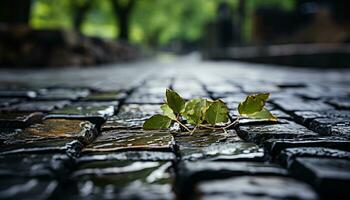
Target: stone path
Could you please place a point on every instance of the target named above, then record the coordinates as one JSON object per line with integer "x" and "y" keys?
{"x": 76, "y": 133}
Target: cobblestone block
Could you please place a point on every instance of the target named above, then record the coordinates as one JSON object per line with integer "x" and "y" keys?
{"x": 283, "y": 130}
{"x": 131, "y": 116}
{"x": 298, "y": 104}
{"x": 128, "y": 155}
{"x": 255, "y": 187}
{"x": 62, "y": 94}
{"x": 19, "y": 119}
{"x": 36, "y": 106}
{"x": 190, "y": 173}
{"x": 329, "y": 175}
{"x": 124, "y": 180}
{"x": 23, "y": 188}
{"x": 121, "y": 140}
{"x": 18, "y": 93}
{"x": 289, "y": 155}
{"x": 86, "y": 110}
{"x": 106, "y": 96}
{"x": 4, "y": 102}
{"x": 275, "y": 146}
{"x": 340, "y": 103}
{"x": 210, "y": 145}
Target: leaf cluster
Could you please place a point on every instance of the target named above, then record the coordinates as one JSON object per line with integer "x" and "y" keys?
{"x": 204, "y": 113}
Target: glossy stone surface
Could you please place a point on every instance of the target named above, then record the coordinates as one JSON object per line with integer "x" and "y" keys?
{"x": 62, "y": 94}
{"x": 8, "y": 101}
{"x": 34, "y": 165}
{"x": 131, "y": 116}
{"x": 331, "y": 176}
{"x": 117, "y": 140}
{"x": 60, "y": 129}
{"x": 105, "y": 96}
{"x": 255, "y": 187}
{"x": 297, "y": 104}
{"x": 283, "y": 130}
{"x": 22, "y": 188}
{"x": 289, "y": 155}
{"x": 123, "y": 180}
{"x": 274, "y": 146}
{"x": 128, "y": 155}
{"x": 36, "y": 106}
{"x": 19, "y": 119}
{"x": 86, "y": 109}
{"x": 210, "y": 145}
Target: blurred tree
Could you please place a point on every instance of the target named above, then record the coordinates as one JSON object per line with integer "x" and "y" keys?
{"x": 123, "y": 9}
{"x": 79, "y": 10}
{"x": 15, "y": 11}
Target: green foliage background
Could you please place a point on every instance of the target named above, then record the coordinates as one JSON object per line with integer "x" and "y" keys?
{"x": 153, "y": 22}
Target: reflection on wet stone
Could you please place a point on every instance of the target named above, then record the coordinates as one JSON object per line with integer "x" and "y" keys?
{"x": 331, "y": 176}
{"x": 60, "y": 128}
{"x": 36, "y": 106}
{"x": 22, "y": 188}
{"x": 19, "y": 119}
{"x": 255, "y": 187}
{"x": 86, "y": 109}
{"x": 116, "y": 140}
{"x": 62, "y": 94}
{"x": 283, "y": 130}
{"x": 124, "y": 180}
{"x": 211, "y": 145}
{"x": 131, "y": 116}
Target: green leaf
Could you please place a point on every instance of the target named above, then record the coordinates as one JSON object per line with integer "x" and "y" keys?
{"x": 217, "y": 113}
{"x": 174, "y": 101}
{"x": 252, "y": 104}
{"x": 167, "y": 111}
{"x": 263, "y": 114}
{"x": 194, "y": 111}
{"x": 157, "y": 122}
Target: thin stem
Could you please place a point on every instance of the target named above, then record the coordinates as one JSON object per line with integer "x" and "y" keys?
{"x": 185, "y": 127}
{"x": 193, "y": 130}
{"x": 233, "y": 123}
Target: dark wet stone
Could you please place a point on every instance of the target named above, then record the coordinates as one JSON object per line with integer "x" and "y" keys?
{"x": 19, "y": 119}
{"x": 190, "y": 173}
{"x": 34, "y": 165}
{"x": 70, "y": 147}
{"x": 297, "y": 104}
{"x": 106, "y": 96}
{"x": 145, "y": 99}
{"x": 259, "y": 87}
{"x": 275, "y": 146}
{"x": 27, "y": 188}
{"x": 36, "y": 106}
{"x": 331, "y": 176}
{"x": 62, "y": 94}
{"x": 340, "y": 103}
{"x": 8, "y": 101}
{"x": 331, "y": 126}
{"x": 131, "y": 116}
{"x": 284, "y": 130}
{"x": 86, "y": 110}
{"x": 59, "y": 129}
{"x": 210, "y": 145}
{"x": 304, "y": 117}
{"x": 18, "y": 93}
{"x": 288, "y": 155}
{"x": 123, "y": 180}
{"x": 128, "y": 155}
{"x": 255, "y": 187}
{"x": 121, "y": 140}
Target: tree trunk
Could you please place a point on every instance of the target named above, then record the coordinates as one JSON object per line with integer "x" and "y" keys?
{"x": 80, "y": 14}
{"x": 122, "y": 13}
{"x": 15, "y": 11}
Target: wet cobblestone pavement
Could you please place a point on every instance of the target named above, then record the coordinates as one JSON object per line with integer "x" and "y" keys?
{"x": 76, "y": 133}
